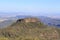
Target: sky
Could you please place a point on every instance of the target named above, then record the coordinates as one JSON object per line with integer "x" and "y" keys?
{"x": 30, "y": 7}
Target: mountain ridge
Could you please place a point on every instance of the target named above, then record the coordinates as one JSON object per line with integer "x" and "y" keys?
{"x": 21, "y": 30}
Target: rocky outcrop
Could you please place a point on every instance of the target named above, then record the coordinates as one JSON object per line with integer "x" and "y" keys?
{"x": 28, "y": 20}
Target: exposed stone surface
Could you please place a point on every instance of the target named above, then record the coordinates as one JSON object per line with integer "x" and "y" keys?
{"x": 28, "y": 20}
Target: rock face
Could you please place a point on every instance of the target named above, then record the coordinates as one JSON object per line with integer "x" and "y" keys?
{"x": 31, "y": 20}
{"x": 20, "y": 20}
{"x": 27, "y": 20}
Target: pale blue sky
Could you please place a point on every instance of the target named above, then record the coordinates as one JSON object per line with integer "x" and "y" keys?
{"x": 37, "y": 7}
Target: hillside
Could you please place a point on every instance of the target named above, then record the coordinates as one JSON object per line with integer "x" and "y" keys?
{"x": 29, "y": 29}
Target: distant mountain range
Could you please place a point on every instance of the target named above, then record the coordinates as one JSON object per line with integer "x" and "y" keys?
{"x": 6, "y": 23}
{"x": 50, "y": 21}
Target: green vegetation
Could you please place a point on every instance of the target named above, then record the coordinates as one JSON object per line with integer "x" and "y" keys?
{"x": 29, "y": 31}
